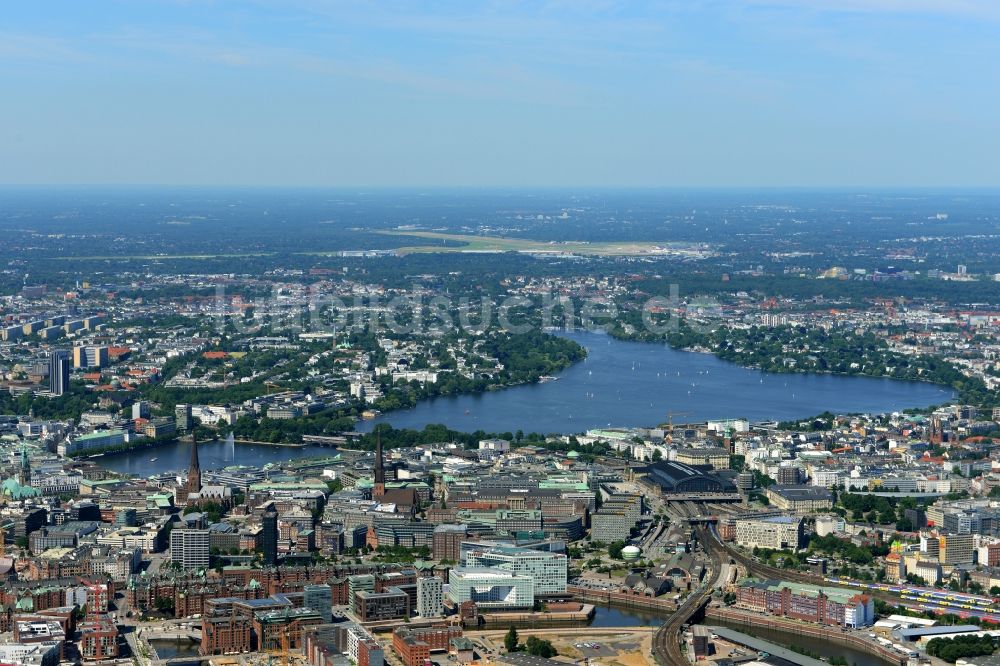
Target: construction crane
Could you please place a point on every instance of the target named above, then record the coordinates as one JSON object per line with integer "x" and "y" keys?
{"x": 670, "y": 422}
{"x": 271, "y": 385}
{"x": 282, "y": 656}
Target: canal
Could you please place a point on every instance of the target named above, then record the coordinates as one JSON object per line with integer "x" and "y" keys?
{"x": 608, "y": 616}
{"x": 173, "y": 648}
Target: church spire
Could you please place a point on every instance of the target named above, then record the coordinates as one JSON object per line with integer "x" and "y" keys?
{"x": 25, "y": 473}
{"x": 194, "y": 469}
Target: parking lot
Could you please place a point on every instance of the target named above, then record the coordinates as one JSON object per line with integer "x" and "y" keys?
{"x": 595, "y": 650}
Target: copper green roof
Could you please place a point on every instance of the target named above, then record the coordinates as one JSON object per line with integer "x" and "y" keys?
{"x": 298, "y": 485}
{"x": 13, "y": 489}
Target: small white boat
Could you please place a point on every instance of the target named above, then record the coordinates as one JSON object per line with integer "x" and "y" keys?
{"x": 153, "y": 459}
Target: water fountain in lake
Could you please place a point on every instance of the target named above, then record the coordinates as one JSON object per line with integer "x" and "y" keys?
{"x": 229, "y": 452}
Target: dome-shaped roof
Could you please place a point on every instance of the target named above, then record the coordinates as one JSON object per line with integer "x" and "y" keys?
{"x": 13, "y": 489}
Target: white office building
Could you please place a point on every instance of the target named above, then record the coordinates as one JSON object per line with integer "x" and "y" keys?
{"x": 430, "y": 597}
{"x": 190, "y": 548}
{"x": 547, "y": 570}
{"x": 775, "y": 532}
{"x": 490, "y": 588}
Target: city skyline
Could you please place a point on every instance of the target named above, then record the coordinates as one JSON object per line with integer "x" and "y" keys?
{"x": 384, "y": 333}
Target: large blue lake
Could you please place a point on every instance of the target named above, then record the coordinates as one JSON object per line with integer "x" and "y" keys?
{"x": 637, "y": 384}
{"x": 620, "y": 384}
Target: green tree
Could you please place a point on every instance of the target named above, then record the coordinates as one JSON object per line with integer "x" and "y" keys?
{"x": 952, "y": 649}
{"x": 540, "y": 647}
{"x": 164, "y": 604}
{"x": 511, "y": 640}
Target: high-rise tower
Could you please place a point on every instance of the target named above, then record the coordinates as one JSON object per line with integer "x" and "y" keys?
{"x": 59, "y": 373}
{"x": 269, "y": 536}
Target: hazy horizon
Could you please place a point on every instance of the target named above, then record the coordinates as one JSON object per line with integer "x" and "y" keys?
{"x": 357, "y": 189}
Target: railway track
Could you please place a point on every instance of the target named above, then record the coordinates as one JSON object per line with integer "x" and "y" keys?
{"x": 765, "y": 572}
{"x": 666, "y": 641}
{"x": 760, "y": 570}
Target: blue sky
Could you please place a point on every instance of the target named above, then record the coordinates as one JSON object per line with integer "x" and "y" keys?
{"x": 559, "y": 93}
